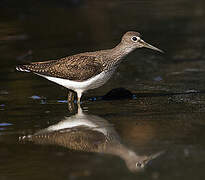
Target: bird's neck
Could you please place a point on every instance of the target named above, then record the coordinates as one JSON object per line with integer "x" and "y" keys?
{"x": 117, "y": 54}
{"x": 121, "y": 51}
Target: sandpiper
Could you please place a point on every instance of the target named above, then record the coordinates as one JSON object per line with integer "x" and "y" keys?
{"x": 88, "y": 70}
{"x": 89, "y": 133}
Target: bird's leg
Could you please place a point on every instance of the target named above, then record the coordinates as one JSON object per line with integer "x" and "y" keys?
{"x": 80, "y": 111}
{"x": 72, "y": 107}
{"x": 79, "y": 95}
{"x": 71, "y": 96}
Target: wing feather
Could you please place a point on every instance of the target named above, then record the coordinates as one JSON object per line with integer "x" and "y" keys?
{"x": 77, "y": 68}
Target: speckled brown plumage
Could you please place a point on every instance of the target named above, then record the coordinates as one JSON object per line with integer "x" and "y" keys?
{"x": 89, "y": 133}
{"x": 88, "y": 70}
{"x": 80, "y": 138}
{"x": 77, "y": 68}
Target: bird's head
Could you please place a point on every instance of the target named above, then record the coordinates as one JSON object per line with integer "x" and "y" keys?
{"x": 133, "y": 40}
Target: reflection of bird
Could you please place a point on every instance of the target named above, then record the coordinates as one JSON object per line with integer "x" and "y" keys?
{"x": 88, "y": 70}
{"x": 89, "y": 133}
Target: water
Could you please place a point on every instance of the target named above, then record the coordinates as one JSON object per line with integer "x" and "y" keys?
{"x": 161, "y": 125}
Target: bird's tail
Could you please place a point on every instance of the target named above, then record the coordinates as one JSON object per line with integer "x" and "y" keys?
{"x": 22, "y": 68}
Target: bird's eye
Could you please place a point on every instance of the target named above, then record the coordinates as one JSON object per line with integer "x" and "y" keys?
{"x": 138, "y": 164}
{"x": 134, "y": 38}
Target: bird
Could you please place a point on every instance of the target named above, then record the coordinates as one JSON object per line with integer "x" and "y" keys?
{"x": 90, "y": 133}
{"x": 88, "y": 70}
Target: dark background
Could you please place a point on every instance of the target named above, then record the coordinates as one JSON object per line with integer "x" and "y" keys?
{"x": 38, "y": 30}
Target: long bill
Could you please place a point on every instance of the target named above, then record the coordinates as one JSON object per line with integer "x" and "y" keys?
{"x": 144, "y": 44}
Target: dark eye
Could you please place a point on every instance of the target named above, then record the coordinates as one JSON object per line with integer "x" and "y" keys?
{"x": 135, "y": 38}
{"x": 138, "y": 164}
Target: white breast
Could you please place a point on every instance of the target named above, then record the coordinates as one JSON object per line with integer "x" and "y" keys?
{"x": 91, "y": 83}
{"x": 90, "y": 121}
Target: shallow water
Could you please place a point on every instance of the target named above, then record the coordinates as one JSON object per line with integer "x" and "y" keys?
{"x": 162, "y": 126}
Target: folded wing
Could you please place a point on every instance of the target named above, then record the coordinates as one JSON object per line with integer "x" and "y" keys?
{"x": 77, "y": 68}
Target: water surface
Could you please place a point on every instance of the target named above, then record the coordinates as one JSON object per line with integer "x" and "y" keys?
{"x": 162, "y": 125}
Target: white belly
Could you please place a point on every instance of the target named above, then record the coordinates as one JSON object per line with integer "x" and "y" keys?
{"x": 91, "y": 83}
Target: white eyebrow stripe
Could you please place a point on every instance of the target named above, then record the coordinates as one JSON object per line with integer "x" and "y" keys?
{"x": 138, "y": 38}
